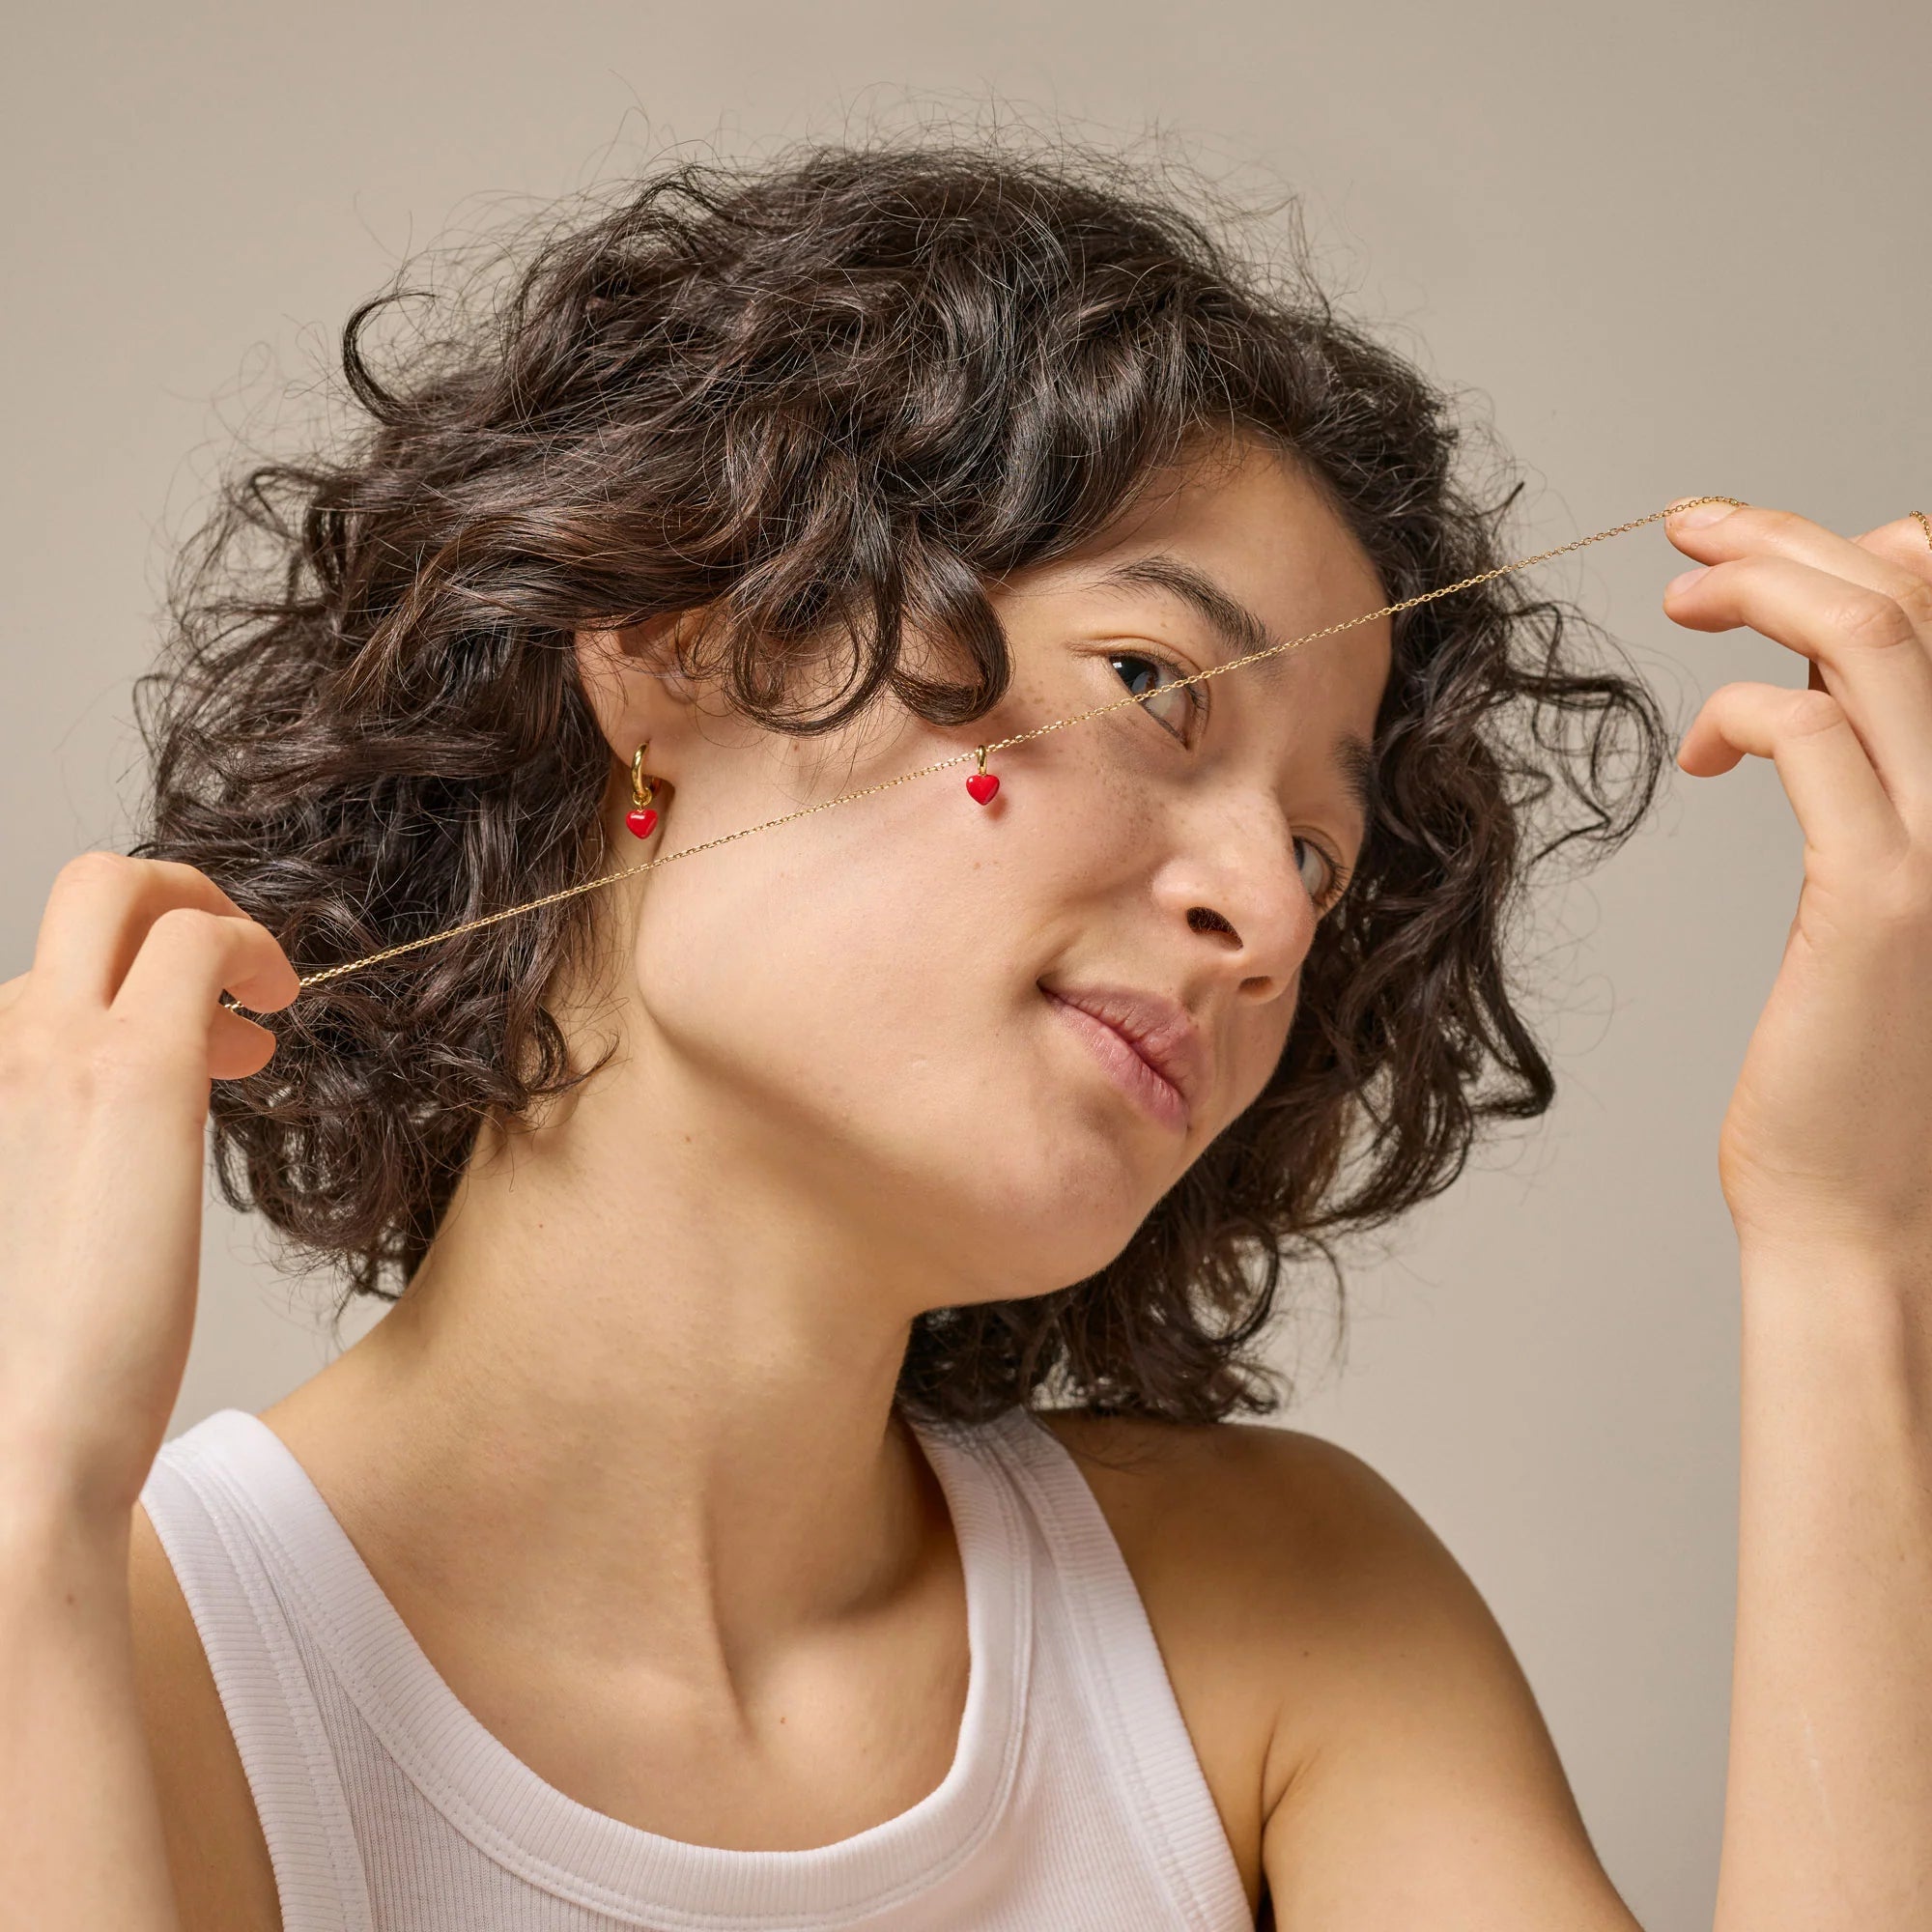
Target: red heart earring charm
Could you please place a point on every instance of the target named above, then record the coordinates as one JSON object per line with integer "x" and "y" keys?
{"x": 983, "y": 784}
{"x": 641, "y": 818}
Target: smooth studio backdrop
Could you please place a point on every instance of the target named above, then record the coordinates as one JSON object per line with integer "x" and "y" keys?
{"x": 1661, "y": 250}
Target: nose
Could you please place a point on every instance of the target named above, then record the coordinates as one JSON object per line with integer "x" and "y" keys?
{"x": 1235, "y": 883}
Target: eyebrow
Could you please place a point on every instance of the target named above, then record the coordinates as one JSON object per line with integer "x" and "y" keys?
{"x": 1244, "y": 633}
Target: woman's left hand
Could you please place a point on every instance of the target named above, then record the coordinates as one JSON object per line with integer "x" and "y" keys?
{"x": 1827, "y": 1140}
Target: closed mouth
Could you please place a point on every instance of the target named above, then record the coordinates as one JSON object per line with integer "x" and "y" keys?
{"x": 1130, "y": 1069}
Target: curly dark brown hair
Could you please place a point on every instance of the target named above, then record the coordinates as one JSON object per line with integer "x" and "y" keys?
{"x": 836, "y": 395}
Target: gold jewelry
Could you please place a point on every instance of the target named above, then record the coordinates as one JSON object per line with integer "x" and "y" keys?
{"x": 640, "y": 818}
{"x": 979, "y": 750}
{"x": 1923, "y": 524}
{"x": 983, "y": 784}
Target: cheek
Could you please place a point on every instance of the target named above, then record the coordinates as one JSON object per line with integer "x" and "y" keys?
{"x": 871, "y": 1011}
{"x": 1254, "y": 1037}
{"x": 849, "y": 998}
{"x": 1255, "y": 1054}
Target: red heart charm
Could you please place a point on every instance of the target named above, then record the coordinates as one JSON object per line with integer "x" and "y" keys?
{"x": 643, "y": 823}
{"x": 983, "y": 785}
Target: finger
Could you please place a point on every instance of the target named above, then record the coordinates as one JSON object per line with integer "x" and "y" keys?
{"x": 237, "y": 1046}
{"x": 1874, "y": 662}
{"x": 187, "y": 958}
{"x": 1905, "y": 542}
{"x": 1891, "y": 567}
{"x": 1848, "y": 818}
{"x": 99, "y": 912}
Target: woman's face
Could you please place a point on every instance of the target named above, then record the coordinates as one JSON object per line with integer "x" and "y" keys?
{"x": 862, "y": 1004}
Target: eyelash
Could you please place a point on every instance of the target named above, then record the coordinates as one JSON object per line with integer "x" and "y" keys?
{"x": 1337, "y": 875}
{"x": 1338, "y": 882}
{"x": 1197, "y": 696}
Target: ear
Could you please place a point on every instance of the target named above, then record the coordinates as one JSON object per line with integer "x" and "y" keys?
{"x": 633, "y": 677}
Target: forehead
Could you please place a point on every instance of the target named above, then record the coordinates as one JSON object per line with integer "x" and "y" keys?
{"x": 1254, "y": 519}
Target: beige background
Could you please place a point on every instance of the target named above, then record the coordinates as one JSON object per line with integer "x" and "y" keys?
{"x": 1665, "y": 249}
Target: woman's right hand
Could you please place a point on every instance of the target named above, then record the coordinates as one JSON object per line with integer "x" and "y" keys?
{"x": 108, "y": 1046}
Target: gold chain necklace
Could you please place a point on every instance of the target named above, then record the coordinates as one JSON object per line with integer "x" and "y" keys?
{"x": 980, "y": 751}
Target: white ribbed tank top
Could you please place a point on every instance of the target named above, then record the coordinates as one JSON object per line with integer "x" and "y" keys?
{"x": 1074, "y": 1798}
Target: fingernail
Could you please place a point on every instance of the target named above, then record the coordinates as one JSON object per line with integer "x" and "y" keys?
{"x": 1704, "y": 513}
{"x": 1683, "y": 582}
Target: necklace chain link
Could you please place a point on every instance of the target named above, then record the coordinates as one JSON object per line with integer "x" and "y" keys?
{"x": 1002, "y": 744}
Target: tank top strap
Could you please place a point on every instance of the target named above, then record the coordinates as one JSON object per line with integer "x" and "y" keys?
{"x": 1136, "y": 1716}
{"x": 211, "y": 1527}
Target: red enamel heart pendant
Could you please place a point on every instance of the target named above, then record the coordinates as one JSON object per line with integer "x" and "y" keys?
{"x": 643, "y": 823}
{"x": 983, "y": 784}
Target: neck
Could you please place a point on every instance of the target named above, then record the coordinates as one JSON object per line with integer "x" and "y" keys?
{"x": 651, "y": 1364}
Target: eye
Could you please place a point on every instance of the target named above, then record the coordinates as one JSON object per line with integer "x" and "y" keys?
{"x": 1187, "y": 703}
{"x": 1332, "y": 882}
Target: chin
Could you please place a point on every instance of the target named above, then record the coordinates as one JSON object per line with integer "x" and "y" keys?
{"x": 1049, "y": 1173}
{"x": 991, "y": 1154}
{"x": 1052, "y": 1209}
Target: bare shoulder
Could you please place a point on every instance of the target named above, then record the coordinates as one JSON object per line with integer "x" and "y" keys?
{"x": 1265, "y": 1512}
{"x": 1224, "y": 1482}
{"x": 224, "y": 1879}
{"x": 1284, "y": 1562}
{"x": 1248, "y": 1543}
{"x": 1345, "y": 1682}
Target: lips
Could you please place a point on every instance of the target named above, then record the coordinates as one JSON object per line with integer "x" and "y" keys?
{"x": 1161, "y": 1032}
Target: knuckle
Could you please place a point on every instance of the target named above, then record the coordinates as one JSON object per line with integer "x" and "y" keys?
{"x": 100, "y": 866}
{"x": 1813, "y": 711}
{"x": 85, "y": 868}
{"x": 178, "y": 872}
{"x": 1731, "y": 698}
{"x": 1914, "y": 598}
{"x": 1776, "y": 524}
{"x": 193, "y": 925}
{"x": 1876, "y": 620}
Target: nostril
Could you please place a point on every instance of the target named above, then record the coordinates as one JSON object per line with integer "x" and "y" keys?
{"x": 1204, "y": 920}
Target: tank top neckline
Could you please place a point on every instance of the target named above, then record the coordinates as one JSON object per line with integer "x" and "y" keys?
{"x": 521, "y": 1821}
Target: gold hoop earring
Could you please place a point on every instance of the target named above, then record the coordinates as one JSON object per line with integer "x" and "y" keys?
{"x": 641, "y": 818}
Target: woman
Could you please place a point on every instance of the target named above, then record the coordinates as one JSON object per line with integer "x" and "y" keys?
{"x": 795, "y": 1483}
